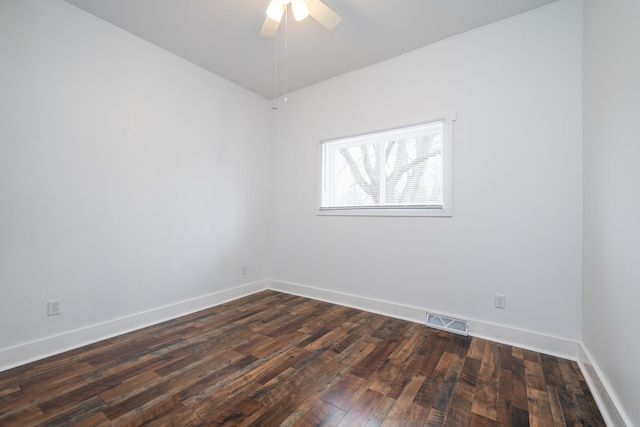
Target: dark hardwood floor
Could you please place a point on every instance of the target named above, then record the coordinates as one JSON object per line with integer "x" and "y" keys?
{"x": 273, "y": 359}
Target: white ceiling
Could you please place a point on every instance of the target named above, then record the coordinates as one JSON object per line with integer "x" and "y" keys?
{"x": 223, "y": 35}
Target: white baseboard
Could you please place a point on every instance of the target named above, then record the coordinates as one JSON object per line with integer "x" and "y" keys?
{"x": 398, "y": 311}
{"x": 555, "y": 346}
{"x": 535, "y": 341}
{"x": 609, "y": 405}
{"x": 49, "y": 346}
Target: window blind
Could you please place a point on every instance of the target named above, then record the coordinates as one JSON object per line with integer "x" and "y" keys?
{"x": 397, "y": 168}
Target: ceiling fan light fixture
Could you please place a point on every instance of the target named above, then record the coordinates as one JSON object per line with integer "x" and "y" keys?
{"x": 275, "y": 10}
{"x": 300, "y": 9}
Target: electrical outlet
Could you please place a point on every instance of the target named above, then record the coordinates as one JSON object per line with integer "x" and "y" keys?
{"x": 500, "y": 301}
{"x": 53, "y": 307}
{"x": 243, "y": 269}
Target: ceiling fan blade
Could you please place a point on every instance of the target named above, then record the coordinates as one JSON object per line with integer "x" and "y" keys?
{"x": 323, "y": 14}
{"x": 269, "y": 28}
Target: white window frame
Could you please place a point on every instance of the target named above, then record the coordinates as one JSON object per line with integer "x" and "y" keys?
{"x": 446, "y": 210}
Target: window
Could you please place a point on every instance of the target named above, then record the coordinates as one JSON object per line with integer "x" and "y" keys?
{"x": 404, "y": 171}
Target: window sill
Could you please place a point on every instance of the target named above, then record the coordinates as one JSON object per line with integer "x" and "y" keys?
{"x": 438, "y": 212}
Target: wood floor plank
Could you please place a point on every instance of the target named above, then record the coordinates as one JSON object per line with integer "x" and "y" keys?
{"x": 283, "y": 408}
{"x": 405, "y": 412}
{"x": 310, "y": 375}
{"x": 96, "y": 420}
{"x": 359, "y": 413}
{"x": 485, "y": 402}
{"x": 346, "y": 391}
{"x": 477, "y": 420}
{"x": 459, "y": 412}
{"x": 58, "y": 386}
{"x": 578, "y": 397}
{"x": 78, "y": 395}
{"x": 130, "y": 387}
{"x": 357, "y": 352}
{"x": 349, "y": 341}
{"x": 10, "y": 394}
{"x": 551, "y": 370}
{"x": 74, "y": 414}
{"x": 321, "y": 414}
{"x": 445, "y": 393}
{"x": 25, "y": 416}
{"x": 386, "y": 376}
{"x": 208, "y": 385}
{"x": 379, "y": 414}
{"x": 520, "y": 417}
{"x": 429, "y": 390}
{"x": 234, "y": 412}
{"x": 274, "y": 359}
{"x": 372, "y": 361}
{"x": 504, "y": 387}
{"x": 476, "y": 348}
{"x": 408, "y": 346}
{"x": 534, "y": 374}
{"x": 49, "y": 391}
{"x": 556, "y": 407}
{"x": 539, "y": 408}
{"x": 503, "y": 404}
{"x": 432, "y": 358}
{"x": 153, "y": 412}
{"x": 518, "y": 384}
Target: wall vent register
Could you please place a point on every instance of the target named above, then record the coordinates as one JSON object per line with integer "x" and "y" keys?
{"x": 457, "y": 326}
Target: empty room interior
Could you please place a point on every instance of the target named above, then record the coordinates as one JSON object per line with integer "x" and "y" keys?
{"x": 188, "y": 236}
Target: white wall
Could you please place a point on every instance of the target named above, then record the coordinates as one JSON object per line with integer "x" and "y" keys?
{"x": 516, "y": 228}
{"x": 130, "y": 179}
{"x": 612, "y": 197}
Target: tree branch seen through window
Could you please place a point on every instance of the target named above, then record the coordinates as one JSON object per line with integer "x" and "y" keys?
{"x": 398, "y": 168}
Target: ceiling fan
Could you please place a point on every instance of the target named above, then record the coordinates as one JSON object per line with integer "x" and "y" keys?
{"x": 301, "y": 9}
